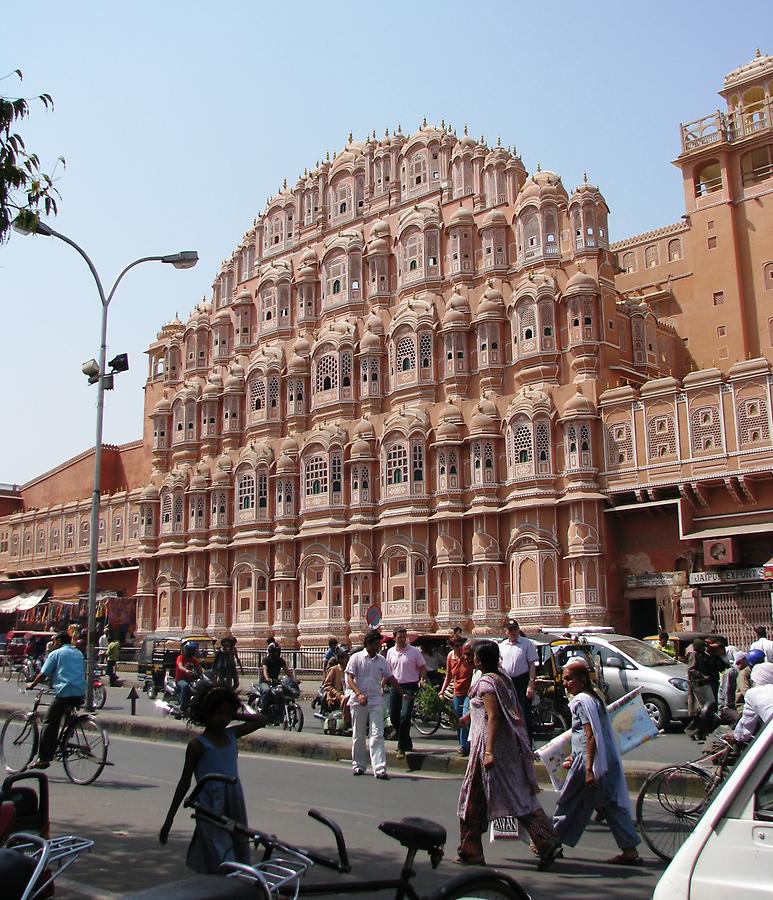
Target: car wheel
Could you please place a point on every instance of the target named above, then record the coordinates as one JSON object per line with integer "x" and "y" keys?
{"x": 658, "y": 711}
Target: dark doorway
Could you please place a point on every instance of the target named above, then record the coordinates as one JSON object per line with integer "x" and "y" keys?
{"x": 644, "y": 617}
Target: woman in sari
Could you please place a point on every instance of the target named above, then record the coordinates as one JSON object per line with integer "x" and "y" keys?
{"x": 500, "y": 780}
{"x": 596, "y": 779}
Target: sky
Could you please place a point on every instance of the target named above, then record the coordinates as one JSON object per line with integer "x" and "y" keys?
{"x": 178, "y": 119}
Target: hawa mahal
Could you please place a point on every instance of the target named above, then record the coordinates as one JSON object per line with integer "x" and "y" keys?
{"x": 427, "y": 383}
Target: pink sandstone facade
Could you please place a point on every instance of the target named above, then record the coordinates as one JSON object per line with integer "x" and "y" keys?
{"x": 426, "y": 382}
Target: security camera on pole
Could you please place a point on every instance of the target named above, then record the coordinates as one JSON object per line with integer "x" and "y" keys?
{"x": 95, "y": 370}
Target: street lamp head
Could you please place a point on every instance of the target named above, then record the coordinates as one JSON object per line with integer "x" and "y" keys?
{"x": 28, "y": 223}
{"x": 186, "y": 259}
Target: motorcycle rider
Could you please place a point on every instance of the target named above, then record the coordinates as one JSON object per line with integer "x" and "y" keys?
{"x": 187, "y": 670}
{"x": 334, "y": 686}
{"x": 274, "y": 666}
{"x": 226, "y": 662}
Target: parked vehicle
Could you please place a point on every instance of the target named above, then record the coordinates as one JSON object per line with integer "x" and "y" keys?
{"x": 680, "y": 641}
{"x": 626, "y": 663}
{"x": 170, "y": 701}
{"x": 730, "y": 848}
{"x": 278, "y": 702}
{"x": 159, "y": 653}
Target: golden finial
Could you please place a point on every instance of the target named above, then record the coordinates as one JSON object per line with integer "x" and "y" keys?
{"x": 386, "y": 132}
{"x": 399, "y": 128}
{"x": 284, "y": 185}
{"x": 327, "y": 156}
{"x": 482, "y": 140}
{"x": 757, "y": 53}
{"x": 499, "y": 141}
{"x": 584, "y": 177}
{"x": 351, "y": 138}
{"x": 424, "y": 122}
{"x": 539, "y": 167}
{"x": 465, "y": 129}
{"x": 443, "y": 124}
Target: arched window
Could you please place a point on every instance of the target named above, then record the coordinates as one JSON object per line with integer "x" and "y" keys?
{"x": 406, "y": 353}
{"x": 337, "y": 286}
{"x": 336, "y": 271}
{"x": 757, "y": 165}
{"x": 315, "y": 475}
{"x": 674, "y": 250}
{"x": 246, "y": 492}
{"x": 651, "y": 256}
{"x": 397, "y": 464}
{"x": 628, "y": 262}
{"x": 708, "y": 178}
{"x": 327, "y": 373}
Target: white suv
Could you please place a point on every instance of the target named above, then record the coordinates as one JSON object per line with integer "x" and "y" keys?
{"x": 628, "y": 663}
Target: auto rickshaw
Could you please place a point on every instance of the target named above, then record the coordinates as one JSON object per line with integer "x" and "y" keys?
{"x": 551, "y": 713}
{"x": 158, "y": 655}
{"x": 680, "y": 641}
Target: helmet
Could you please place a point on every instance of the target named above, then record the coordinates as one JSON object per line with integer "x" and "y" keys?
{"x": 190, "y": 648}
{"x": 342, "y": 650}
{"x": 754, "y": 656}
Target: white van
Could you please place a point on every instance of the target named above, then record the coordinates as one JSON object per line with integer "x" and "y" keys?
{"x": 730, "y": 851}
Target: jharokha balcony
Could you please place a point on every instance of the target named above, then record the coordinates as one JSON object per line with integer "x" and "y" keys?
{"x": 739, "y": 123}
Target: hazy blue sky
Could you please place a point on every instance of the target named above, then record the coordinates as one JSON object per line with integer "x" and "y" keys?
{"x": 178, "y": 119}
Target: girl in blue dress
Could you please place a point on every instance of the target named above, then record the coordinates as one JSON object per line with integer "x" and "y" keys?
{"x": 214, "y": 752}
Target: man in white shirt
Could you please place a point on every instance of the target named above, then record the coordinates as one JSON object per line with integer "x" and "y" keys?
{"x": 518, "y": 659}
{"x": 407, "y": 666}
{"x": 757, "y": 704}
{"x": 366, "y": 674}
{"x": 762, "y": 642}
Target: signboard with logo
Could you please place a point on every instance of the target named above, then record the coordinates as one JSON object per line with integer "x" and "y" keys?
{"x": 655, "y": 579}
{"x": 728, "y": 576}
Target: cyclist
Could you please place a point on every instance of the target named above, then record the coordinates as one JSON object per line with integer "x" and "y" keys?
{"x": 187, "y": 670}
{"x": 64, "y": 666}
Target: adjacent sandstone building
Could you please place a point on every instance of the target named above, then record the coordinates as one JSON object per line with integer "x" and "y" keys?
{"x": 426, "y": 383}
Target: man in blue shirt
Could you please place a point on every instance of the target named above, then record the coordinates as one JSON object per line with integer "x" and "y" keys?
{"x": 66, "y": 669}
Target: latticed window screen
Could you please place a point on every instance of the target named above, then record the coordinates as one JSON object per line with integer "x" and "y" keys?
{"x": 406, "y": 354}
{"x": 522, "y": 442}
{"x": 397, "y": 464}
{"x": 543, "y": 445}
{"x": 364, "y": 370}
{"x": 327, "y": 373}
{"x": 336, "y": 469}
{"x": 166, "y": 509}
{"x": 246, "y": 492}
{"x": 262, "y": 490}
{"x": 526, "y": 320}
{"x": 374, "y": 365}
{"x": 280, "y": 491}
{"x": 268, "y": 304}
{"x": 178, "y": 510}
{"x": 413, "y": 260}
{"x": 477, "y": 463}
{"x": 316, "y": 475}
{"x": 346, "y": 369}
{"x": 441, "y": 466}
{"x": 706, "y": 429}
{"x": 258, "y": 393}
{"x": 661, "y": 437}
{"x": 425, "y": 349}
{"x": 620, "y": 447}
{"x": 418, "y": 462}
{"x": 273, "y": 392}
{"x": 199, "y": 512}
{"x": 584, "y": 439}
{"x": 335, "y": 280}
{"x": 509, "y": 448}
{"x": 753, "y": 421}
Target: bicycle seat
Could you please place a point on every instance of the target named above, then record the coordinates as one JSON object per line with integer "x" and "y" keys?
{"x": 415, "y": 833}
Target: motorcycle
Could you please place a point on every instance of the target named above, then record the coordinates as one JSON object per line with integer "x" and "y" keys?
{"x": 277, "y": 702}
{"x": 170, "y": 704}
{"x": 100, "y": 689}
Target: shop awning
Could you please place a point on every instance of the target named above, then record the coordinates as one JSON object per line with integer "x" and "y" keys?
{"x": 23, "y": 601}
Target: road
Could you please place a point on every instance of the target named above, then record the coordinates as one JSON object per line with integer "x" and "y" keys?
{"x": 671, "y": 747}
{"x": 123, "y": 811}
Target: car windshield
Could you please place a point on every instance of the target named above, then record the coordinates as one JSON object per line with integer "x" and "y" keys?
{"x": 643, "y": 653}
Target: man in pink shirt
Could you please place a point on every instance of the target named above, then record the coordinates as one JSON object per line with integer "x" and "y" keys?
{"x": 407, "y": 667}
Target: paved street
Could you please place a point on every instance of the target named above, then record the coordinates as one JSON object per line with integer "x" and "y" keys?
{"x": 672, "y": 746}
{"x": 124, "y": 809}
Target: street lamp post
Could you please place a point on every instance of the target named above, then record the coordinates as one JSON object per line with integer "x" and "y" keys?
{"x": 186, "y": 259}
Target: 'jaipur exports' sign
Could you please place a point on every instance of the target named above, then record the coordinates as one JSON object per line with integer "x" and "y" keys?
{"x": 727, "y": 575}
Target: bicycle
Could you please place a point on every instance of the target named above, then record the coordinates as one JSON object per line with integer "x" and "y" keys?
{"x": 81, "y": 744}
{"x": 672, "y": 799}
{"x": 282, "y": 874}
{"x": 30, "y": 872}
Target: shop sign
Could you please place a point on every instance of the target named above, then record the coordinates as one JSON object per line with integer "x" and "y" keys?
{"x": 728, "y": 576}
{"x": 655, "y": 579}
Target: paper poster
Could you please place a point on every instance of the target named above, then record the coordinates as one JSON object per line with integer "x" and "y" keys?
{"x": 630, "y": 722}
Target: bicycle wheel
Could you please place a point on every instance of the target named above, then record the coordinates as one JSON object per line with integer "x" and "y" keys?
{"x": 100, "y": 696}
{"x": 480, "y": 886}
{"x": 669, "y": 804}
{"x": 425, "y": 725}
{"x": 294, "y": 718}
{"x": 84, "y": 750}
{"x": 19, "y": 741}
